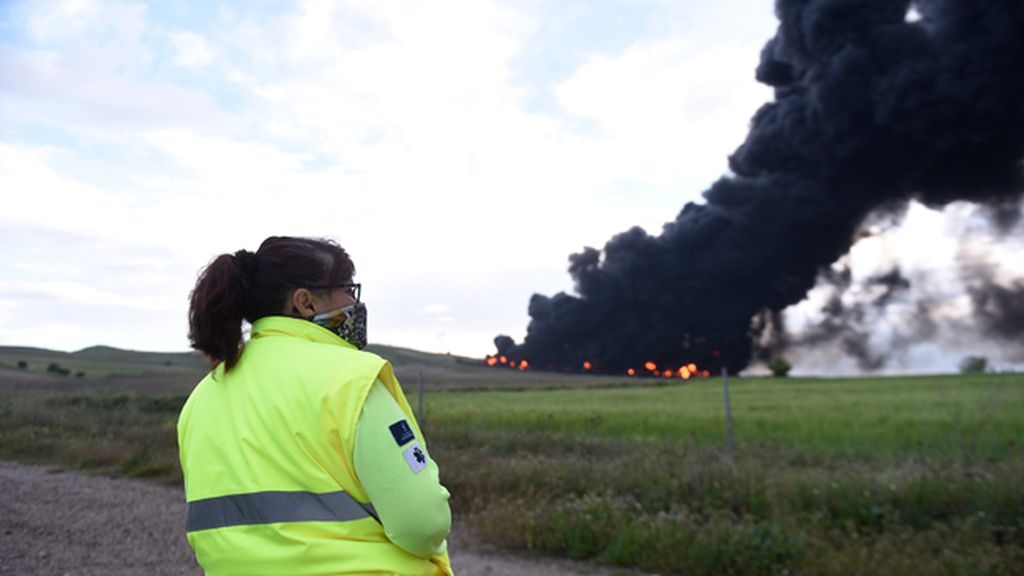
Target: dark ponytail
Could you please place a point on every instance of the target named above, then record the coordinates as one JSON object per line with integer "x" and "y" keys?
{"x": 248, "y": 286}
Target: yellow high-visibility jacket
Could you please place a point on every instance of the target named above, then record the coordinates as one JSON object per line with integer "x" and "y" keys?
{"x": 267, "y": 455}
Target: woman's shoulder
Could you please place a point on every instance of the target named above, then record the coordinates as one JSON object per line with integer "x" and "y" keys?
{"x": 346, "y": 353}
{"x": 302, "y": 356}
{"x": 342, "y": 359}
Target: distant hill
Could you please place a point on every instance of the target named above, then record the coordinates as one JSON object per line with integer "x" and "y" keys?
{"x": 111, "y": 354}
{"x": 105, "y": 366}
{"x": 98, "y": 365}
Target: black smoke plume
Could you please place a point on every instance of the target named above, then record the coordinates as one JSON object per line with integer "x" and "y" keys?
{"x": 872, "y": 108}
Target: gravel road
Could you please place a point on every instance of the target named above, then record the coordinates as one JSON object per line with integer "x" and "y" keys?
{"x": 70, "y": 524}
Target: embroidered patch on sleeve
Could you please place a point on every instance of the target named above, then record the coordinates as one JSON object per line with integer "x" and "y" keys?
{"x": 402, "y": 432}
{"x": 416, "y": 458}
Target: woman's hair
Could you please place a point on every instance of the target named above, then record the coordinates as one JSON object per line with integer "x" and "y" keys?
{"x": 249, "y": 286}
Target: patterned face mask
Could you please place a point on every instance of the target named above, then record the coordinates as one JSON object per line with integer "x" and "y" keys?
{"x": 348, "y": 322}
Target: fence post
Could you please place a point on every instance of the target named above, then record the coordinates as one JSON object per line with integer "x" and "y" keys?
{"x": 728, "y": 412}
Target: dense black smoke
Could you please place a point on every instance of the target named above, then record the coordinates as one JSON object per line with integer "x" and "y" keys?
{"x": 871, "y": 109}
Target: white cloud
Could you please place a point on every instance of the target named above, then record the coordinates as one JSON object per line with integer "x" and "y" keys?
{"x": 437, "y": 313}
{"x": 191, "y": 50}
{"x": 668, "y": 113}
{"x": 78, "y": 293}
{"x": 48, "y": 20}
{"x": 397, "y": 128}
{"x": 93, "y": 72}
{"x": 436, "y": 309}
{"x": 37, "y": 194}
{"x": 232, "y": 166}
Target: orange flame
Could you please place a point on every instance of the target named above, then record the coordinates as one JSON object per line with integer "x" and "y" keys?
{"x": 503, "y": 359}
{"x": 523, "y": 365}
{"x": 491, "y": 360}
{"x": 705, "y": 373}
{"x": 631, "y": 372}
{"x": 586, "y": 365}
{"x": 667, "y": 373}
{"x": 692, "y": 367}
{"x": 684, "y": 372}
{"x": 650, "y": 366}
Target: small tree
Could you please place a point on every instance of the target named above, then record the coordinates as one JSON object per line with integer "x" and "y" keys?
{"x": 780, "y": 367}
{"x": 974, "y": 365}
{"x": 22, "y": 365}
{"x": 55, "y": 368}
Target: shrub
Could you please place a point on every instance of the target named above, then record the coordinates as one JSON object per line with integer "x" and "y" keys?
{"x": 55, "y": 368}
{"x": 22, "y": 364}
{"x": 780, "y": 367}
{"x": 974, "y": 365}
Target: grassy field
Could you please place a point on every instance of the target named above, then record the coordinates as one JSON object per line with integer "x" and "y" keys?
{"x": 958, "y": 417}
{"x": 876, "y": 476}
{"x": 849, "y": 476}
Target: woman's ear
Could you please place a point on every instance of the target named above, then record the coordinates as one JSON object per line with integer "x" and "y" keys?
{"x": 303, "y": 303}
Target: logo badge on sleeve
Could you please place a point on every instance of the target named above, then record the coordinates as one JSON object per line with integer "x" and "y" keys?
{"x": 402, "y": 432}
{"x": 416, "y": 458}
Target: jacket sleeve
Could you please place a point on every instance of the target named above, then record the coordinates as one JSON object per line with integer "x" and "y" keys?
{"x": 400, "y": 478}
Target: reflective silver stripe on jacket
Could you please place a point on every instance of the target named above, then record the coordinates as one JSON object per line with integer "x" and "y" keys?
{"x": 268, "y": 507}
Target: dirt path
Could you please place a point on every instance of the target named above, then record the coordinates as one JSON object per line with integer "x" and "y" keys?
{"x": 69, "y": 524}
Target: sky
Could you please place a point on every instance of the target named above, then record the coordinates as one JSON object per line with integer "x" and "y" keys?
{"x": 460, "y": 151}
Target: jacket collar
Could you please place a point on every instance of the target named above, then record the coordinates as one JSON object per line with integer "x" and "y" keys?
{"x": 296, "y": 327}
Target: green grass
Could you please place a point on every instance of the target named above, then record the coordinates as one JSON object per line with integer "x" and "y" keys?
{"x": 880, "y": 476}
{"x": 669, "y": 508}
{"x": 939, "y": 416}
{"x": 872, "y": 476}
{"x": 114, "y": 433}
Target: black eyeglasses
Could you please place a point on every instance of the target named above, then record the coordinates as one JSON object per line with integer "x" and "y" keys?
{"x": 353, "y": 289}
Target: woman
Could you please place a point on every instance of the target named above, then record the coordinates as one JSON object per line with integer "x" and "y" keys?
{"x": 300, "y": 453}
